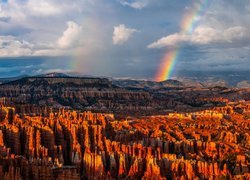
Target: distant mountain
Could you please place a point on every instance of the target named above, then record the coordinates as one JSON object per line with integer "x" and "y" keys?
{"x": 5, "y": 80}
{"x": 222, "y": 78}
{"x": 243, "y": 84}
{"x": 143, "y": 84}
{"x": 59, "y": 81}
{"x": 208, "y": 82}
{"x": 174, "y": 83}
{"x": 53, "y": 74}
{"x": 197, "y": 80}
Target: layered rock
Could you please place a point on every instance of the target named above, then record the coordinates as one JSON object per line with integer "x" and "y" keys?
{"x": 37, "y": 94}
{"x": 67, "y": 144}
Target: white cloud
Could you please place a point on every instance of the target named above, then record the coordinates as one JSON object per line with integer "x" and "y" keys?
{"x": 56, "y": 71}
{"x": 236, "y": 33}
{"x": 171, "y": 40}
{"x": 43, "y": 8}
{"x": 26, "y": 8}
{"x": 203, "y": 36}
{"x": 136, "y": 4}
{"x": 70, "y": 36}
{"x": 121, "y": 34}
{"x": 50, "y": 52}
{"x": 12, "y": 47}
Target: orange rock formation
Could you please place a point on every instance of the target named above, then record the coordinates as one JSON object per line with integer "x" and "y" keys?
{"x": 64, "y": 144}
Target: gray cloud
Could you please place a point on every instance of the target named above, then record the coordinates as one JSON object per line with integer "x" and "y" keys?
{"x": 10, "y": 46}
{"x": 5, "y": 19}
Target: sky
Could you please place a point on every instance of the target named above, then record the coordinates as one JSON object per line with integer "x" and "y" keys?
{"x": 122, "y": 38}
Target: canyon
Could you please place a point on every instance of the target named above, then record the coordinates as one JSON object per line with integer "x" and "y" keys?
{"x": 124, "y": 98}
{"x": 91, "y": 128}
{"x": 66, "y": 144}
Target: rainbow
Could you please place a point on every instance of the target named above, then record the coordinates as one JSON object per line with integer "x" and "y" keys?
{"x": 189, "y": 22}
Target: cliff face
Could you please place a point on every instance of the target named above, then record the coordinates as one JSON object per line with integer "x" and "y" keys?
{"x": 77, "y": 93}
{"x": 99, "y": 94}
{"x": 78, "y": 145}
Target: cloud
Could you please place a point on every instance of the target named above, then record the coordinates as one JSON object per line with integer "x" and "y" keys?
{"x": 121, "y": 34}
{"x": 136, "y": 4}
{"x": 43, "y": 8}
{"x": 57, "y": 70}
{"x": 70, "y": 36}
{"x": 236, "y": 33}
{"x": 3, "y": 16}
{"x": 5, "y": 19}
{"x": 12, "y": 47}
{"x": 50, "y": 52}
{"x": 171, "y": 40}
{"x": 203, "y": 35}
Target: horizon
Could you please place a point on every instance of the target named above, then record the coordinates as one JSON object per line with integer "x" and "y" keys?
{"x": 223, "y": 79}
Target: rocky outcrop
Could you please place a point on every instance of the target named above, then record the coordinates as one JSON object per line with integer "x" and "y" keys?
{"x": 67, "y": 144}
{"x": 38, "y": 94}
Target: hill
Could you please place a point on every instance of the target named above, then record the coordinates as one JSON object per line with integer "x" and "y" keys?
{"x": 120, "y": 97}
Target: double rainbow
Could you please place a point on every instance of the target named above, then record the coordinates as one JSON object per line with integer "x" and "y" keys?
{"x": 188, "y": 24}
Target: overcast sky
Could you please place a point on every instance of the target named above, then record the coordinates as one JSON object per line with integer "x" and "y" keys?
{"x": 121, "y": 38}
